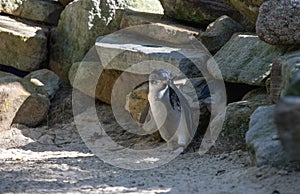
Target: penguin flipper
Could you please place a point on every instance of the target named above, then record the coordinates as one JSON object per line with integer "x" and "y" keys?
{"x": 150, "y": 125}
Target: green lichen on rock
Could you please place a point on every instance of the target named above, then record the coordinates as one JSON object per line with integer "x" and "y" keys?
{"x": 196, "y": 12}
{"x": 248, "y": 8}
{"x": 247, "y": 59}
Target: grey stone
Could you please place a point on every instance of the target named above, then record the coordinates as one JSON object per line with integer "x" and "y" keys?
{"x": 7, "y": 77}
{"x": 237, "y": 119}
{"x": 131, "y": 18}
{"x": 37, "y": 10}
{"x": 262, "y": 139}
{"x": 219, "y": 32}
{"x": 23, "y": 44}
{"x": 65, "y": 2}
{"x": 279, "y": 22}
{"x": 248, "y": 8}
{"x": 290, "y": 74}
{"x": 287, "y": 114}
{"x": 246, "y": 59}
{"x": 199, "y": 12}
{"x": 80, "y": 24}
{"x": 46, "y": 139}
{"x": 45, "y": 79}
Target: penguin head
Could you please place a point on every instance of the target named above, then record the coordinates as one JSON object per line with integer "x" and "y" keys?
{"x": 160, "y": 78}
{"x": 159, "y": 82}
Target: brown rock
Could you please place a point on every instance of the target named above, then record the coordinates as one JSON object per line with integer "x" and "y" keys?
{"x": 87, "y": 70}
{"x": 137, "y": 103}
{"x": 12, "y": 96}
{"x": 287, "y": 114}
{"x": 275, "y": 81}
{"x": 23, "y": 44}
{"x": 33, "y": 111}
{"x": 21, "y": 102}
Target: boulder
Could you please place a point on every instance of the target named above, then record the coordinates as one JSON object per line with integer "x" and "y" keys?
{"x": 278, "y": 22}
{"x": 45, "y": 79}
{"x": 23, "y": 44}
{"x": 290, "y": 74}
{"x": 262, "y": 139}
{"x": 237, "y": 119}
{"x": 33, "y": 111}
{"x": 65, "y": 2}
{"x": 132, "y": 18}
{"x": 219, "y": 32}
{"x": 248, "y": 8}
{"x": 6, "y": 77}
{"x": 80, "y": 24}
{"x": 287, "y": 114}
{"x": 137, "y": 103}
{"x": 21, "y": 102}
{"x": 37, "y": 10}
{"x": 246, "y": 59}
{"x": 197, "y": 12}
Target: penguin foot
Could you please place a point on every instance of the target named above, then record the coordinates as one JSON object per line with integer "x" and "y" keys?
{"x": 172, "y": 150}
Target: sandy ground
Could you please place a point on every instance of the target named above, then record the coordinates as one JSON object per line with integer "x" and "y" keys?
{"x": 27, "y": 166}
{"x": 54, "y": 159}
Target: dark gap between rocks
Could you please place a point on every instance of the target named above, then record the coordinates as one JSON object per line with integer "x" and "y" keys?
{"x": 13, "y": 70}
{"x": 235, "y": 92}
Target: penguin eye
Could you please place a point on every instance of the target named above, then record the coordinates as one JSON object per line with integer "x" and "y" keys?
{"x": 155, "y": 82}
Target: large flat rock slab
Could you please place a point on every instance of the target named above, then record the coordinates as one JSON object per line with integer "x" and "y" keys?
{"x": 138, "y": 51}
{"x": 199, "y": 12}
{"x": 23, "y": 44}
{"x": 38, "y": 10}
{"x": 246, "y": 59}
